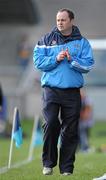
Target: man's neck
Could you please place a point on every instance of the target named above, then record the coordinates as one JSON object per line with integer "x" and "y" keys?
{"x": 68, "y": 33}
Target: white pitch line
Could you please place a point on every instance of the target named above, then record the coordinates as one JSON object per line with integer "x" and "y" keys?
{"x": 26, "y": 161}
{"x": 5, "y": 169}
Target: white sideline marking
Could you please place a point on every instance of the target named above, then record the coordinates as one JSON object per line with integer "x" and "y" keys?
{"x": 5, "y": 168}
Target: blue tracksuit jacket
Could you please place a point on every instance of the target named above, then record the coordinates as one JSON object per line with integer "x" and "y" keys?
{"x": 63, "y": 74}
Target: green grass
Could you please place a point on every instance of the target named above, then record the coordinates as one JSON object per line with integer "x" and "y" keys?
{"x": 87, "y": 166}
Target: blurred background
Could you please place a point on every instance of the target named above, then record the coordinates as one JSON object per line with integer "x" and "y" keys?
{"x": 22, "y": 23}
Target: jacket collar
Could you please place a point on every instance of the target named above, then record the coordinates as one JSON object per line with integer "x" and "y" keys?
{"x": 75, "y": 35}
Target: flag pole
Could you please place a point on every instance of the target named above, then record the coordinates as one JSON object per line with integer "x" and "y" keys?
{"x": 11, "y": 144}
{"x": 31, "y": 148}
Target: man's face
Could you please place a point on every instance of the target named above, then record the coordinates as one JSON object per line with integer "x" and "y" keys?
{"x": 64, "y": 24}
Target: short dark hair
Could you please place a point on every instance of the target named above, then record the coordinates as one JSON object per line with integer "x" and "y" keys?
{"x": 70, "y": 13}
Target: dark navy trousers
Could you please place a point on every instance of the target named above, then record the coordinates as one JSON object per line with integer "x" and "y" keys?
{"x": 61, "y": 110}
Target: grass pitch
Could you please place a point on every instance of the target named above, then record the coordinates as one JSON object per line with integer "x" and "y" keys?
{"x": 87, "y": 165}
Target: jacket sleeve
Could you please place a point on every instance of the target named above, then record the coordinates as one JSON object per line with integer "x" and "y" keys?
{"x": 41, "y": 60}
{"x": 84, "y": 63}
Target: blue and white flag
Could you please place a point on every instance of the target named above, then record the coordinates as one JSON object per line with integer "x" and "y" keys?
{"x": 17, "y": 132}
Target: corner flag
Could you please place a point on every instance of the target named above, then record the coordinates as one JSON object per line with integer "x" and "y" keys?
{"x": 17, "y": 131}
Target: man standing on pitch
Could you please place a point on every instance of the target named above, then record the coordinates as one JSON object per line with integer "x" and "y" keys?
{"x": 63, "y": 55}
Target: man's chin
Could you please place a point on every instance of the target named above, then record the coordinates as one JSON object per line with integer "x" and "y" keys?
{"x": 61, "y": 30}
